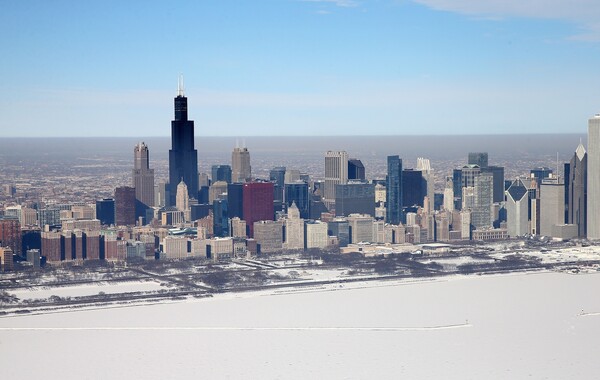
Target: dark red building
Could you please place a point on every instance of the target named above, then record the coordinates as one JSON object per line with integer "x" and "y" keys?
{"x": 10, "y": 234}
{"x": 125, "y": 206}
{"x": 257, "y": 203}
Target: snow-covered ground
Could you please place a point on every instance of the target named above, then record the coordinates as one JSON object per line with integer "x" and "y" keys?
{"x": 42, "y": 292}
{"x": 534, "y": 326}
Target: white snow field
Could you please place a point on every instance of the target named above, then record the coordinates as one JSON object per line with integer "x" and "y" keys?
{"x": 521, "y": 326}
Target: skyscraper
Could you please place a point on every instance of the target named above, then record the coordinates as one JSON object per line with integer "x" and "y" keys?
{"x": 593, "y": 182}
{"x": 478, "y": 158}
{"x": 221, "y": 173}
{"x": 356, "y": 169}
{"x": 355, "y": 198}
{"x": 336, "y": 173}
{"x": 577, "y": 191}
{"x": 183, "y": 158}
{"x": 257, "y": 203}
{"x": 241, "y": 171}
{"x": 125, "y": 206}
{"x": 277, "y": 176}
{"x": 182, "y": 198}
{"x": 393, "y": 190}
{"x": 143, "y": 179}
{"x": 517, "y": 209}
{"x": 105, "y": 211}
{"x": 481, "y": 216}
{"x": 449, "y": 195}
{"x": 424, "y": 165}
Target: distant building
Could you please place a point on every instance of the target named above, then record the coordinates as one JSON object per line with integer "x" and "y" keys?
{"x": 593, "y": 181}
{"x": 297, "y": 193}
{"x": 235, "y": 199}
{"x": 356, "y": 169}
{"x": 105, "y": 211}
{"x": 482, "y": 216}
{"x": 424, "y": 166}
{"x": 540, "y": 174}
{"x": 497, "y": 173}
{"x": 143, "y": 180}
{"x": 478, "y": 158}
{"x": 10, "y": 234}
{"x": 577, "y": 191}
{"x": 221, "y": 173}
{"x": 316, "y": 235}
{"x": 125, "y": 206}
{"x": 241, "y": 171}
{"x": 517, "y": 205}
{"x": 257, "y": 203}
{"x": 360, "y": 228}
{"x": 355, "y": 198}
{"x": 393, "y": 189}
{"x": 340, "y": 228}
{"x": 293, "y": 229}
{"x": 6, "y": 259}
{"x": 277, "y": 176}
{"x": 269, "y": 235}
{"x": 552, "y": 206}
{"x": 414, "y": 188}
{"x": 183, "y": 157}
{"x": 336, "y": 173}
{"x": 220, "y": 218}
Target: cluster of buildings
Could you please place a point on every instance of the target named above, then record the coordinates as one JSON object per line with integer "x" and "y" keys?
{"x": 230, "y": 213}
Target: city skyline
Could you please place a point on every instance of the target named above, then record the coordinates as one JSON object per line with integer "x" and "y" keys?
{"x": 302, "y": 68}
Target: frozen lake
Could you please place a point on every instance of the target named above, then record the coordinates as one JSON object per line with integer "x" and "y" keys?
{"x": 493, "y": 327}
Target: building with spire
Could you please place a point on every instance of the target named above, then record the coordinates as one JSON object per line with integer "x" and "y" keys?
{"x": 577, "y": 191}
{"x": 183, "y": 158}
{"x": 241, "y": 171}
{"x": 182, "y": 198}
{"x": 143, "y": 179}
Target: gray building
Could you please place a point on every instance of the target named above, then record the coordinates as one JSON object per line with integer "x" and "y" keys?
{"x": 336, "y": 173}
{"x": 593, "y": 182}
{"x": 552, "y": 206}
{"x": 482, "y": 217}
{"x": 478, "y": 158}
{"x": 517, "y": 209}
{"x": 577, "y": 191}
{"x": 143, "y": 179}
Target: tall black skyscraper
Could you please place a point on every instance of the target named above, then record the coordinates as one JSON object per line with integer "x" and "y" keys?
{"x": 183, "y": 158}
{"x": 393, "y": 190}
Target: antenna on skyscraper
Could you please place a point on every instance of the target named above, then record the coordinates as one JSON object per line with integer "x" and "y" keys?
{"x": 557, "y": 166}
{"x": 180, "y": 86}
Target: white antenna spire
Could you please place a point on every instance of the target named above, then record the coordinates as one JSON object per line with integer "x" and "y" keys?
{"x": 557, "y": 168}
{"x": 180, "y": 86}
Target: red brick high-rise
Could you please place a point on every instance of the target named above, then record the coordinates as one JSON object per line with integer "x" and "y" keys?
{"x": 10, "y": 234}
{"x": 257, "y": 203}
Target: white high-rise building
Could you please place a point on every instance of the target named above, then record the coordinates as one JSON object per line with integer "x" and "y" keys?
{"x": 552, "y": 206}
{"x": 593, "y": 178}
{"x": 449, "y": 195}
{"x": 294, "y": 229}
{"x": 424, "y": 165}
{"x": 182, "y": 200}
{"x": 336, "y": 173}
{"x": 517, "y": 206}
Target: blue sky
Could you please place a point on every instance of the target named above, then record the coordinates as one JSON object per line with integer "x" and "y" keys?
{"x": 292, "y": 67}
